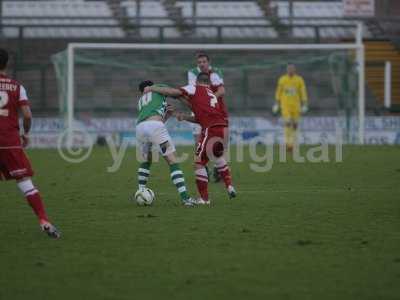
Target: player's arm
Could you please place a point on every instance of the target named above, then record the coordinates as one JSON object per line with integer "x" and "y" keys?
{"x": 220, "y": 91}
{"x": 187, "y": 93}
{"x": 303, "y": 96}
{"x": 217, "y": 80}
{"x": 303, "y": 92}
{"x": 169, "y": 111}
{"x": 26, "y": 113}
{"x": 191, "y": 78}
{"x": 181, "y": 116}
{"x": 27, "y": 123}
{"x": 185, "y": 101}
{"x": 166, "y": 91}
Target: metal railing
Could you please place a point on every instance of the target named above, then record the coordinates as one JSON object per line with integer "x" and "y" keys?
{"x": 132, "y": 25}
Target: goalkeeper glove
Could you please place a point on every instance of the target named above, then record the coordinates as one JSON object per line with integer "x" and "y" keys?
{"x": 304, "y": 109}
{"x": 275, "y": 109}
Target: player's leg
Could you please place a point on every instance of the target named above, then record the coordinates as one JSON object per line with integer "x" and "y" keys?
{"x": 218, "y": 144}
{"x": 225, "y": 173}
{"x": 167, "y": 149}
{"x": 144, "y": 152}
{"x": 290, "y": 135}
{"x": 287, "y": 127}
{"x": 295, "y": 125}
{"x": 216, "y": 174}
{"x": 14, "y": 165}
{"x": 144, "y": 167}
{"x": 33, "y": 197}
{"x": 177, "y": 177}
{"x": 196, "y": 131}
{"x": 201, "y": 183}
{"x": 201, "y": 161}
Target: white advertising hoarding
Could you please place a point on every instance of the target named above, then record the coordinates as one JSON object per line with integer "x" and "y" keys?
{"x": 384, "y": 130}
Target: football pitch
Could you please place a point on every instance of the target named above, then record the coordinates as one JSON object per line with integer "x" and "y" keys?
{"x": 301, "y": 231}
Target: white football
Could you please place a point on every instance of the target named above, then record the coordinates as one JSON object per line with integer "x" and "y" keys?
{"x": 144, "y": 197}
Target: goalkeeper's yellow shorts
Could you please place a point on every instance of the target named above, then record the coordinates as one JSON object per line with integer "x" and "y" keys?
{"x": 291, "y": 112}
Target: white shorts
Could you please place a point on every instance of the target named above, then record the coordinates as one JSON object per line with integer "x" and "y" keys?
{"x": 153, "y": 134}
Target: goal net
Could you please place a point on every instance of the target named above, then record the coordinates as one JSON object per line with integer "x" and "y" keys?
{"x": 100, "y": 80}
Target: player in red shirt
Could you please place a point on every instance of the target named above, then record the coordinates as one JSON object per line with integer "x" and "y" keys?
{"x": 211, "y": 115}
{"x": 14, "y": 164}
{"x": 217, "y": 86}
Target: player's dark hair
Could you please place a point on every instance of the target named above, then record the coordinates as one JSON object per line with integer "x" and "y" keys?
{"x": 202, "y": 54}
{"x": 3, "y": 59}
{"x": 203, "y": 78}
{"x": 145, "y": 83}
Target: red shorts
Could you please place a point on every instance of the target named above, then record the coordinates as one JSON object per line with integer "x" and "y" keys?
{"x": 14, "y": 164}
{"x": 212, "y": 144}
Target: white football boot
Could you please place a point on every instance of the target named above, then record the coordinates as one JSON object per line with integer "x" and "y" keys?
{"x": 50, "y": 230}
{"x": 201, "y": 201}
{"x": 231, "y": 192}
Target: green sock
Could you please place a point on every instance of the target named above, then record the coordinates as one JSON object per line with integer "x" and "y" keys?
{"x": 179, "y": 181}
{"x": 143, "y": 174}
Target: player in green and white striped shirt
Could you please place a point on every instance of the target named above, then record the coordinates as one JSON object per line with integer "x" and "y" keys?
{"x": 151, "y": 131}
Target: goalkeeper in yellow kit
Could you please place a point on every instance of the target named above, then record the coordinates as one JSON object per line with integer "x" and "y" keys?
{"x": 291, "y": 100}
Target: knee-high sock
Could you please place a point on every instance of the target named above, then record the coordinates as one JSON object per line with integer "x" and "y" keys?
{"x": 288, "y": 135}
{"x": 202, "y": 183}
{"x": 179, "y": 181}
{"x": 143, "y": 174}
{"x": 294, "y": 135}
{"x": 34, "y": 199}
{"x": 223, "y": 170}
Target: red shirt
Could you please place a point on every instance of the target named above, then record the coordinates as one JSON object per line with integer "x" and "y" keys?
{"x": 207, "y": 109}
{"x": 12, "y": 97}
{"x": 216, "y": 81}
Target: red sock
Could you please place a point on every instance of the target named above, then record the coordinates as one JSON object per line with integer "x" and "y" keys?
{"x": 225, "y": 174}
{"x": 202, "y": 183}
{"x": 35, "y": 201}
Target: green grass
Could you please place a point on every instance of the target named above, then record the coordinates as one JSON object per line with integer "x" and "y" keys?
{"x": 300, "y": 231}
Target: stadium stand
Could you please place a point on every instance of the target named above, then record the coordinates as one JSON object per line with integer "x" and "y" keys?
{"x": 229, "y": 13}
{"x": 42, "y": 28}
{"x": 307, "y": 12}
{"x": 229, "y": 19}
{"x": 152, "y": 13}
{"x": 33, "y": 14}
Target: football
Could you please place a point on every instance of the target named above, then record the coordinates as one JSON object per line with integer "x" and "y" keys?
{"x": 144, "y": 197}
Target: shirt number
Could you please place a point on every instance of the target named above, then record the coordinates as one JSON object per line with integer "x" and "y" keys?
{"x": 213, "y": 99}
{"x": 3, "y": 103}
{"x": 144, "y": 100}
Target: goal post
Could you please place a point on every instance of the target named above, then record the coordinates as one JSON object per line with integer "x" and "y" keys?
{"x": 134, "y": 51}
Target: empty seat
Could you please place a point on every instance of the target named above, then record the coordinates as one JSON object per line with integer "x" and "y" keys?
{"x": 155, "y": 14}
{"x": 60, "y": 13}
{"x": 219, "y": 12}
{"x": 319, "y": 11}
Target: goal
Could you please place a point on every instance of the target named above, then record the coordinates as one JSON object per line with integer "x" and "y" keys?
{"x": 101, "y": 79}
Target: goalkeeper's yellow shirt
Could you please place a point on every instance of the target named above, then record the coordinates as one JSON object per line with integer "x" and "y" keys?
{"x": 291, "y": 92}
